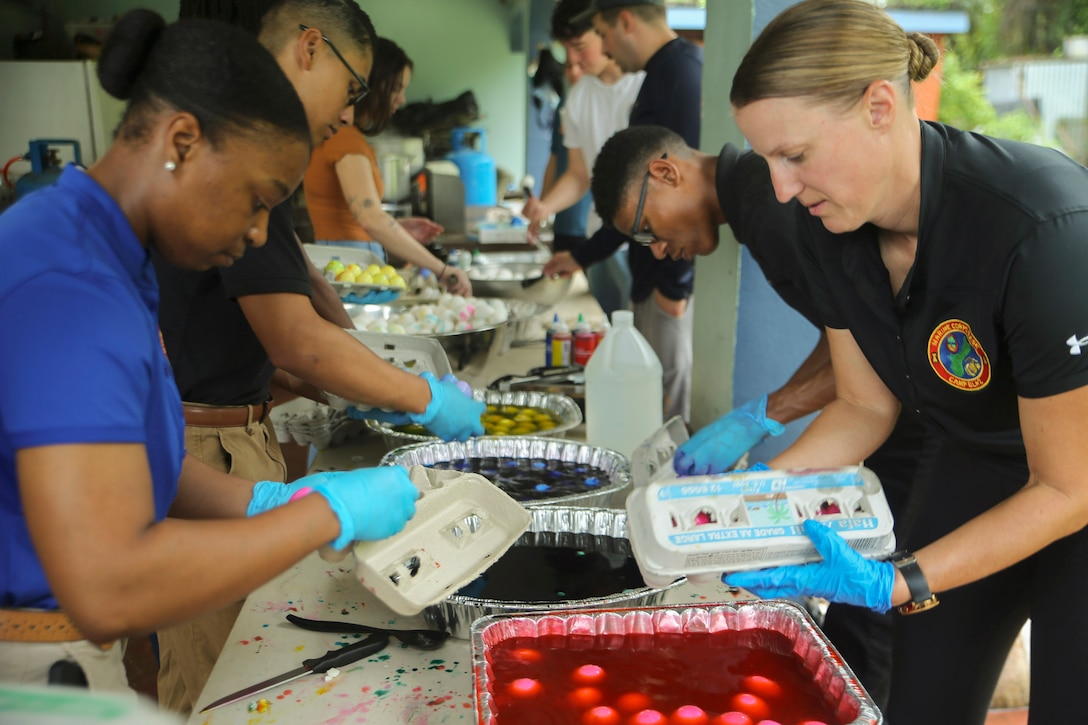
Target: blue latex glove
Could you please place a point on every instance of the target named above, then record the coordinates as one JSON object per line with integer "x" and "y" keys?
{"x": 398, "y": 418}
{"x": 719, "y": 445}
{"x": 844, "y": 575}
{"x": 267, "y": 495}
{"x": 371, "y": 503}
{"x": 452, "y": 415}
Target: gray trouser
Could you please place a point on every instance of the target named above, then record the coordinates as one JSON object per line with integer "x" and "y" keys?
{"x": 670, "y": 338}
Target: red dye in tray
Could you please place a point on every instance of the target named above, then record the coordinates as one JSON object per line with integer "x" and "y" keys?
{"x": 725, "y": 674}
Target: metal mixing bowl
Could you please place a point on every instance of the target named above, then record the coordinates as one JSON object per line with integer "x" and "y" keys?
{"x": 525, "y": 282}
{"x": 468, "y": 350}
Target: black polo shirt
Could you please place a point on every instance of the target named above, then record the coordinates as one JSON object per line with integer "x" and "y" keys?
{"x": 671, "y": 96}
{"x": 216, "y": 356}
{"x": 767, "y": 228}
{"x": 994, "y": 306}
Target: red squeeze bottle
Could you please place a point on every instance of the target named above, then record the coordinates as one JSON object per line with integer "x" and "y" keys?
{"x": 585, "y": 341}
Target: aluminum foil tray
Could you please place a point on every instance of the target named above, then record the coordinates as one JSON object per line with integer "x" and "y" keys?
{"x": 591, "y": 529}
{"x": 563, "y": 409}
{"x": 528, "y": 447}
{"x": 620, "y": 629}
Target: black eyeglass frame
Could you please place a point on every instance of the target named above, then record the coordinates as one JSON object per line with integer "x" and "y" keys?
{"x": 638, "y": 237}
{"x": 364, "y": 87}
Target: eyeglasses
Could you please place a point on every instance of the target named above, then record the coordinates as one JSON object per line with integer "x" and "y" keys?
{"x": 641, "y": 237}
{"x": 364, "y": 87}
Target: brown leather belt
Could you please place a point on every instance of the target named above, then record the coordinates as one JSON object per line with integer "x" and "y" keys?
{"x": 232, "y": 416}
{"x": 30, "y": 625}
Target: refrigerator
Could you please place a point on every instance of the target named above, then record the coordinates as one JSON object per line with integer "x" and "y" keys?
{"x": 60, "y": 99}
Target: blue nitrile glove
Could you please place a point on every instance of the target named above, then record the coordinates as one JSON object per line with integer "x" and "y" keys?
{"x": 452, "y": 415}
{"x": 398, "y": 418}
{"x": 371, "y": 503}
{"x": 267, "y": 495}
{"x": 719, "y": 445}
{"x": 844, "y": 575}
{"x": 755, "y": 467}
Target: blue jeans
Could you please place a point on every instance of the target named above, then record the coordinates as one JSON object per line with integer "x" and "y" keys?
{"x": 610, "y": 282}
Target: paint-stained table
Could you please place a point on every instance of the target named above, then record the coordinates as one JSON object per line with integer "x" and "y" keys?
{"x": 398, "y": 685}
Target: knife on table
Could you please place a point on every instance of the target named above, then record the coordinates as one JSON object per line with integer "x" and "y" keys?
{"x": 339, "y": 657}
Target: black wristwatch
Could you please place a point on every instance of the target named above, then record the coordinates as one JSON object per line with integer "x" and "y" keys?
{"x": 921, "y": 598}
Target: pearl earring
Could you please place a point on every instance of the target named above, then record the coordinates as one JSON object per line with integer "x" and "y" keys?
{"x": 169, "y": 166}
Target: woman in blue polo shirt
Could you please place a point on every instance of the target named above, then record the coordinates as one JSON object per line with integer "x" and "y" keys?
{"x": 948, "y": 268}
{"x": 92, "y": 458}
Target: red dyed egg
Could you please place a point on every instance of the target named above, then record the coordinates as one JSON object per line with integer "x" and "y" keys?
{"x": 760, "y": 685}
{"x": 732, "y": 718}
{"x": 751, "y": 705}
{"x": 525, "y": 687}
{"x": 585, "y": 697}
{"x": 648, "y": 717}
{"x": 588, "y": 674}
{"x": 601, "y": 715}
{"x": 768, "y": 722}
{"x": 529, "y": 656}
{"x": 689, "y": 715}
{"x": 632, "y": 702}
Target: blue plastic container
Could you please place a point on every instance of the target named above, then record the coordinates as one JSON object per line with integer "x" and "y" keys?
{"x": 45, "y": 166}
{"x": 477, "y": 168}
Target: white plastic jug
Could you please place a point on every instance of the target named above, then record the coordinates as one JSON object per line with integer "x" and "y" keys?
{"x": 623, "y": 388}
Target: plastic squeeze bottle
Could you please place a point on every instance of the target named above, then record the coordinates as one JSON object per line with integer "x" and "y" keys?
{"x": 548, "y": 361}
{"x": 585, "y": 341}
{"x": 623, "y": 388}
{"x": 562, "y": 341}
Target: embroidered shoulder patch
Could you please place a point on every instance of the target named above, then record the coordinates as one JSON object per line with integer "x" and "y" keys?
{"x": 957, "y": 357}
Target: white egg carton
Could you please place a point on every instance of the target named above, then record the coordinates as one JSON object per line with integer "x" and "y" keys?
{"x": 703, "y": 526}
{"x": 462, "y": 524}
{"x": 413, "y": 354}
{"x": 307, "y": 422}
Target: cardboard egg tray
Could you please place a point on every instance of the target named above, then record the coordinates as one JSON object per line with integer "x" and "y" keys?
{"x": 412, "y": 353}
{"x": 702, "y": 526}
{"x": 462, "y": 524}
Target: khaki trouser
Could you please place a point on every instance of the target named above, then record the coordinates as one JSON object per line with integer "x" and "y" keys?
{"x": 188, "y": 651}
{"x": 29, "y": 663}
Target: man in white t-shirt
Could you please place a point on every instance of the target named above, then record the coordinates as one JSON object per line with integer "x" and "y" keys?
{"x": 598, "y": 106}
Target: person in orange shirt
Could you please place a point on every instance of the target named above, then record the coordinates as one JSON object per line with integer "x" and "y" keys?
{"x": 343, "y": 184}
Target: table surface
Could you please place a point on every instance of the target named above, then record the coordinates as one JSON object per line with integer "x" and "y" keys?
{"x": 397, "y": 685}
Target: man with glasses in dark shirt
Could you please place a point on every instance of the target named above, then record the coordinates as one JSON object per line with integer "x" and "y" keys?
{"x": 637, "y": 36}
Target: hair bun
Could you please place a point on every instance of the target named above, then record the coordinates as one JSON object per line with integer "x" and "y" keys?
{"x": 924, "y": 55}
{"x": 126, "y": 50}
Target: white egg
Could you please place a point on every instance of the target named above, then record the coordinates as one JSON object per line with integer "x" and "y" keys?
{"x": 505, "y": 274}
{"x": 397, "y": 329}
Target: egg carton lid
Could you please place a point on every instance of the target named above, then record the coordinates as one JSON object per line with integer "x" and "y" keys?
{"x": 705, "y": 525}
{"x": 416, "y": 354}
{"x": 462, "y": 524}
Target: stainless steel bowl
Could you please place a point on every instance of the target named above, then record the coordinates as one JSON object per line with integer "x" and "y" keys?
{"x": 468, "y": 350}
{"x": 591, "y": 529}
{"x": 564, "y": 410}
{"x": 525, "y": 283}
{"x": 527, "y": 447}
